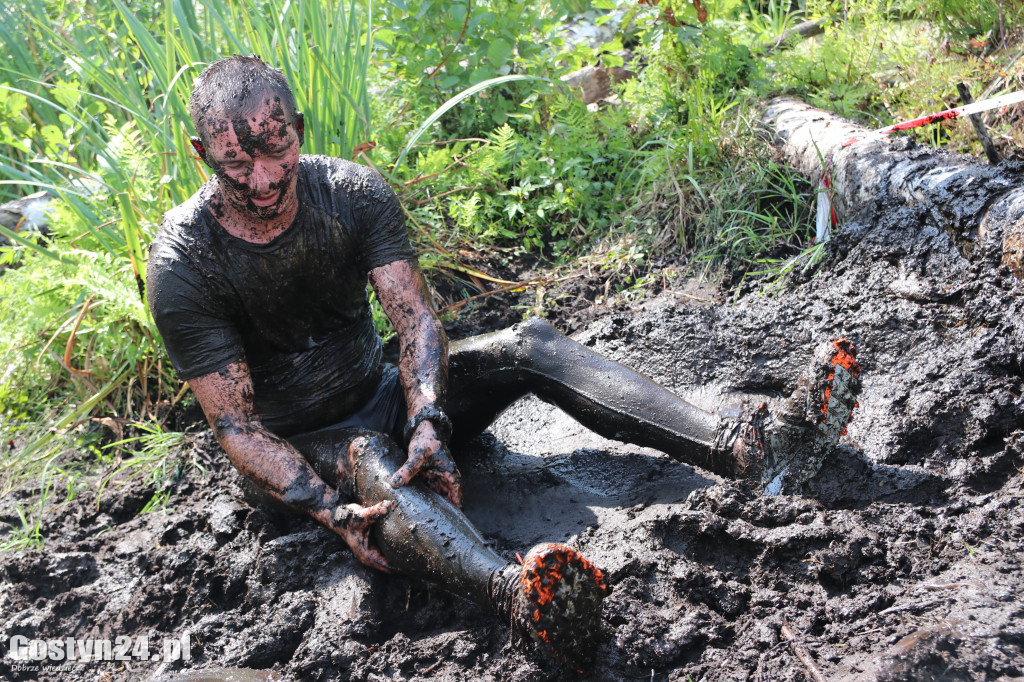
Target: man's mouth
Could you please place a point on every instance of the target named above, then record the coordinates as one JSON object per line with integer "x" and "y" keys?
{"x": 265, "y": 200}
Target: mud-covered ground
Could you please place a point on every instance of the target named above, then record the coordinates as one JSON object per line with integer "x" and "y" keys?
{"x": 901, "y": 562}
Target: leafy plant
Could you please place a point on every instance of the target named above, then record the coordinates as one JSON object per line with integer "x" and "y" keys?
{"x": 159, "y": 462}
{"x": 436, "y": 49}
{"x": 962, "y": 20}
{"x": 28, "y": 535}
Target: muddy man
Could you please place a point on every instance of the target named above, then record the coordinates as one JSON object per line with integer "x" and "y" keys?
{"x": 258, "y": 286}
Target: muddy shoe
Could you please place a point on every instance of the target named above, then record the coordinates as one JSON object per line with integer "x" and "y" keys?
{"x": 785, "y": 449}
{"x": 555, "y": 600}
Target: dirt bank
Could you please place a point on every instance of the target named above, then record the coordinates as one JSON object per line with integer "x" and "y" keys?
{"x": 902, "y": 562}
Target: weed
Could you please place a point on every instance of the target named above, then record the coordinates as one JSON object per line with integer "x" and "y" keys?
{"x": 29, "y": 536}
{"x": 158, "y": 461}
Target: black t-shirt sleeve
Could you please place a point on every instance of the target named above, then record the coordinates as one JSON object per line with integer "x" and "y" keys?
{"x": 199, "y": 336}
{"x": 380, "y": 223}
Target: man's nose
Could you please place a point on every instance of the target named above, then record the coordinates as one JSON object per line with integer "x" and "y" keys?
{"x": 262, "y": 175}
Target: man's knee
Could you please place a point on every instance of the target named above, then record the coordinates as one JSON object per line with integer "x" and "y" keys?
{"x": 535, "y": 331}
{"x": 377, "y": 446}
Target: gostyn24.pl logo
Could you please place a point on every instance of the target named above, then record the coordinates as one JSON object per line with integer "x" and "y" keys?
{"x": 123, "y": 648}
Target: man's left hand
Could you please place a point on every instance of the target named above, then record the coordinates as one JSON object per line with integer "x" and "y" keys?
{"x": 429, "y": 457}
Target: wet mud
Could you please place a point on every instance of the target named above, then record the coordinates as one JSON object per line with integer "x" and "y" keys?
{"x": 901, "y": 561}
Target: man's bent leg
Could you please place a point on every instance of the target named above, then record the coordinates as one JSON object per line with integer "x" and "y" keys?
{"x": 491, "y": 371}
{"x": 784, "y": 445}
{"x": 555, "y": 597}
{"x": 425, "y": 536}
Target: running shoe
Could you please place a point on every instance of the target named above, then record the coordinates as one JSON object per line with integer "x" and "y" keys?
{"x": 555, "y": 600}
{"x": 781, "y": 450}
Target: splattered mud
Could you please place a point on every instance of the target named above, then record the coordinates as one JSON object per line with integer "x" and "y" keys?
{"x": 902, "y": 561}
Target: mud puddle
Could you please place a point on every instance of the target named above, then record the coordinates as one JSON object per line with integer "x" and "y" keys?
{"x": 902, "y": 561}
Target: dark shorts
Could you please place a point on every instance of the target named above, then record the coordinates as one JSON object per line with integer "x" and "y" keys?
{"x": 385, "y": 413}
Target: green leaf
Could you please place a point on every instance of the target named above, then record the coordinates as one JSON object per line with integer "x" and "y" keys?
{"x": 612, "y": 60}
{"x": 482, "y": 74}
{"x": 51, "y": 135}
{"x": 687, "y": 33}
{"x": 499, "y": 52}
{"x": 67, "y": 93}
{"x": 687, "y": 13}
{"x": 16, "y": 103}
{"x": 614, "y": 45}
{"x": 604, "y": 4}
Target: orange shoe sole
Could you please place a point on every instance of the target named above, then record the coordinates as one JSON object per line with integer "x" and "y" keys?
{"x": 561, "y": 607}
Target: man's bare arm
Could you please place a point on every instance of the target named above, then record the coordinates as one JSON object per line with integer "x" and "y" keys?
{"x": 423, "y": 370}
{"x": 277, "y": 467}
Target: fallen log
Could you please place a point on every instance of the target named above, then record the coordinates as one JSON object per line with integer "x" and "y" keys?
{"x": 595, "y": 82}
{"x": 28, "y": 214}
{"x": 974, "y": 202}
{"x": 802, "y": 31}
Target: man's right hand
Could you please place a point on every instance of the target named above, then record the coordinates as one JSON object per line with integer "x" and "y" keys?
{"x": 429, "y": 458}
{"x": 352, "y": 522}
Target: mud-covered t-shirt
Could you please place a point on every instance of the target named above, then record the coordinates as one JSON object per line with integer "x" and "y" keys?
{"x": 295, "y": 309}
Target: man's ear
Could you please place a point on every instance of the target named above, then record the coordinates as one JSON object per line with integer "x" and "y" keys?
{"x": 200, "y": 148}
{"x": 300, "y": 126}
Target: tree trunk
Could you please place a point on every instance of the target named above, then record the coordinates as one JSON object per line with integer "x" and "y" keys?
{"x": 807, "y": 29}
{"x": 28, "y": 214}
{"x": 969, "y": 199}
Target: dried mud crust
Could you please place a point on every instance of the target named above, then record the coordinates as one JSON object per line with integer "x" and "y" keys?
{"x": 901, "y": 562}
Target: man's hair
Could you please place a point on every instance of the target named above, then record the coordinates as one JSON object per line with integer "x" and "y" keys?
{"x": 234, "y": 87}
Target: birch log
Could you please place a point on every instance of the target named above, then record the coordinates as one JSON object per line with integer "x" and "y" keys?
{"x": 968, "y": 198}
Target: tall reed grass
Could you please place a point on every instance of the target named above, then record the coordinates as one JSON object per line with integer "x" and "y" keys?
{"x": 93, "y": 108}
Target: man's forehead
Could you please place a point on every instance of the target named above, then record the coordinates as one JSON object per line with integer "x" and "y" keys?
{"x": 222, "y": 121}
{"x": 229, "y": 129}
{"x": 254, "y": 111}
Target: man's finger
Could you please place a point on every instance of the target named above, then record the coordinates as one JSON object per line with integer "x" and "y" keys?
{"x": 455, "y": 491}
{"x": 442, "y": 467}
{"x": 371, "y": 556}
{"x": 447, "y": 484}
{"x": 417, "y": 460}
{"x": 376, "y": 512}
{"x": 441, "y": 459}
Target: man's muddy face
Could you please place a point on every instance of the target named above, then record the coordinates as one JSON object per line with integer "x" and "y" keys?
{"x": 256, "y": 158}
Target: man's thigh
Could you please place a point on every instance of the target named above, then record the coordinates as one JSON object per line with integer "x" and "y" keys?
{"x": 483, "y": 380}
